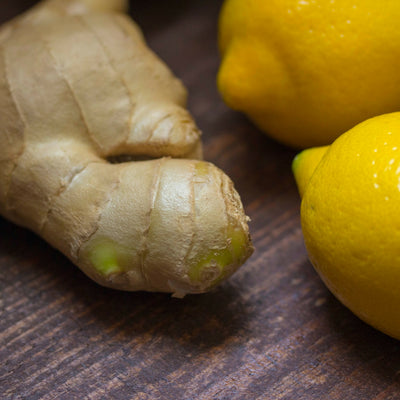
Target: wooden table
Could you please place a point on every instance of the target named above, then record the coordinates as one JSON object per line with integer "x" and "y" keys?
{"x": 273, "y": 331}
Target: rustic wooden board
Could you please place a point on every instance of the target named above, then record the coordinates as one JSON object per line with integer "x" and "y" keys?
{"x": 273, "y": 331}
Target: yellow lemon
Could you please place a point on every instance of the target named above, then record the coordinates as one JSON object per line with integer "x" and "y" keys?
{"x": 350, "y": 216}
{"x": 305, "y": 71}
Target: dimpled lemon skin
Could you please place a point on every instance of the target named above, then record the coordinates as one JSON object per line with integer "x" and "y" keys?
{"x": 306, "y": 71}
{"x": 350, "y": 216}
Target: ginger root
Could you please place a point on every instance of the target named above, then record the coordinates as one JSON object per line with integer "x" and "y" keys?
{"x": 78, "y": 88}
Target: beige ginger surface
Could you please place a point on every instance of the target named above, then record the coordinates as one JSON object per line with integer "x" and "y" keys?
{"x": 78, "y": 88}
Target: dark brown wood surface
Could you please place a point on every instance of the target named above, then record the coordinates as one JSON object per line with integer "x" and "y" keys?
{"x": 273, "y": 331}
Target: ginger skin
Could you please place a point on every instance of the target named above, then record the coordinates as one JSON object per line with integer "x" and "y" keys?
{"x": 78, "y": 86}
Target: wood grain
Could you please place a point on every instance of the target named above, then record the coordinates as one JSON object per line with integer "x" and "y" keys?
{"x": 273, "y": 331}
